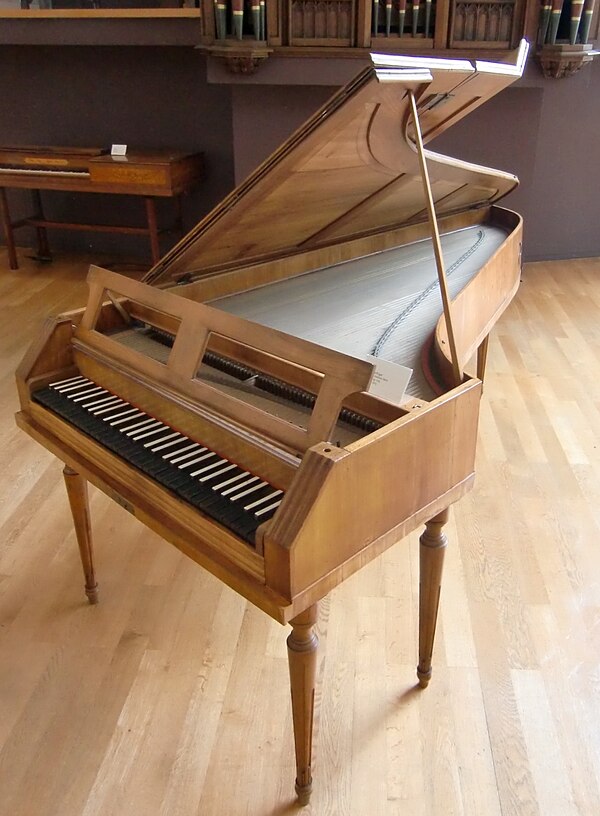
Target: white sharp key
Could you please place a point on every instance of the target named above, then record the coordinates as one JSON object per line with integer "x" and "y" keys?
{"x": 197, "y": 459}
{"x": 97, "y": 391}
{"x": 135, "y": 435}
{"x": 206, "y": 468}
{"x": 99, "y": 403}
{"x": 217, "y": 473}
{"x": 176, "y": 453}
{"x": 141, "y": 424}
{"x": 133, "y": 413}
{"x": 115, "y": 406}
{"x": 229, "y": 490}
{"x": 180, "y": 438}
{"x": 65, "y": 382}
{"x": 264, "y": 499}
{"x": 122, "y": 414}
{"x": 249, "y": 490}
{"x": 77, "y": 397}
{"x": 270, "y": 507}
{"x": 233, "y": 479}
{"x": 76, "y": 387}
{"x": 157, "y": 445}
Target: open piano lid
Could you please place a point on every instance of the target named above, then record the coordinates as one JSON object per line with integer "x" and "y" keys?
{"x": 352, "y": 168}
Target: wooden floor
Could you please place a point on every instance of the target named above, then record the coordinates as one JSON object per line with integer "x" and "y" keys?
{"x": 170, "y": 697}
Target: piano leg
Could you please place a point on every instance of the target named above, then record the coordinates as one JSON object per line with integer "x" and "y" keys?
{"x": 43, "y": 248}
{"x": 433, "y": 546}
{"x": 302, "y": 656}
{"x": 152, "y": 229}
{"x": 9, "y": 235}
{"x": 80, "y": 508}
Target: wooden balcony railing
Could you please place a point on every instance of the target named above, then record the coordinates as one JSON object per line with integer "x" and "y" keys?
{"x": 487, "y": 21}
{"x": 245, "y": 32}
{"x": 322, "y": 22}
{"x": 419, "y": 25}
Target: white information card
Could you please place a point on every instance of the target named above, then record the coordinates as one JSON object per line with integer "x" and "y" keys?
{"x": 389, "y": 379}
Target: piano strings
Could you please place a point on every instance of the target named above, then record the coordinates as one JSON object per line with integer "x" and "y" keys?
{"x": 353, "y": 306}
{"x": 416, "y": 303}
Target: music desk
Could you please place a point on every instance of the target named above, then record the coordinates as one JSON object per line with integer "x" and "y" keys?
{"x": 147, "y": 174}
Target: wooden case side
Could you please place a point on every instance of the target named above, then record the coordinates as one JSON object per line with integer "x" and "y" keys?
{"x": 342, "y": 502}
{"x": 478, "y": 306}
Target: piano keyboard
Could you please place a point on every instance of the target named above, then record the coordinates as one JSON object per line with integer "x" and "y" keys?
{"x": 236, "y": 498}
{"x": 38, "y": 171}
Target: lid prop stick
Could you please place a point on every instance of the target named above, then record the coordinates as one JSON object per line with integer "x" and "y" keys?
{"x": 437, "y": 244}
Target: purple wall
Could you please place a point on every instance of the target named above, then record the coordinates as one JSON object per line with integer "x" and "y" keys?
{"x": 548, "y": 133}
{"x": 265, "y": 115}
{"x": 144, "y": 97}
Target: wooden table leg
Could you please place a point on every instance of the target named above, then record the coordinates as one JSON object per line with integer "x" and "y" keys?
{"x": 80, "y": 509}
{"x": 152, "y": 229}
{"x": 302, "y": 656}
{"x": 433, "y": 546}
{"x": 43, "y": 249}
{"x": 8, "y": 230}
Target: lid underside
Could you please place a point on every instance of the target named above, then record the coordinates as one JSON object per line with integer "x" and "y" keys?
{"x": 352, "y": 169}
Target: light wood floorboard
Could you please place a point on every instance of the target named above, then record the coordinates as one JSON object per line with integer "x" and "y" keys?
{"x": 170, "y": 698}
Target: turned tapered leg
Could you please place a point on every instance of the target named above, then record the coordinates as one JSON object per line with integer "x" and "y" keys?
{"x": 9, "y": 235}
{"x": 42, "y": 235}
{"x": 152, "y": 229}
{"x": 78, "y": 499}
{"x": 302, "y": 655}
{"x": 433, "y": 546}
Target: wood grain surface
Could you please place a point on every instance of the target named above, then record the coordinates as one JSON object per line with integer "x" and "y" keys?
{"x": 171, "y": 695}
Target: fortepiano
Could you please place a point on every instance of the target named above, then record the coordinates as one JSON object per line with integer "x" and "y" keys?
{"x": 147, "y": 173}
{"x": 232, "y": 400}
